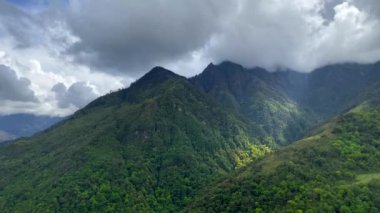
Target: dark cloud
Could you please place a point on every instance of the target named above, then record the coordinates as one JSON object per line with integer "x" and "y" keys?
{"x": 13, "y": 88}
{"x": 328, "y": 11}
{"x": 130, "y": 35}
{"x": 78, "y": 94}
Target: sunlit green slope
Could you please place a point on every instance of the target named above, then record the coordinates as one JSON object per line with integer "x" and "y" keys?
{"x": 335, "y": 170}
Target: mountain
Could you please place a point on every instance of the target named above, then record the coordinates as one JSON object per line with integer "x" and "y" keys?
{"x": 227, "y": 140}
{"x": 287, "y": 104}
{"x": 335, "y": 170}
{"x": 22, "y": 125}
{"x": 333, "y": 89}
{"x": 147, "y": 148}
{"x": 260, "y": 97}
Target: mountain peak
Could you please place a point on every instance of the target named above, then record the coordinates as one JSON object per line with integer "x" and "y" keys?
{"x": 149, "y": 82}
{"x": 159, "y": 69}
{"x": 230, "y": 64}
{"x": 156, "y": 75}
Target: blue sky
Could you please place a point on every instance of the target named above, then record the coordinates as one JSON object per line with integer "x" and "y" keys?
{"x": 35, "y": 5}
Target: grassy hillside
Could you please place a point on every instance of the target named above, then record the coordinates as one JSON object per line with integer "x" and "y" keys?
{"x": 148, "y": 148}
{"x": 335, "y": 170}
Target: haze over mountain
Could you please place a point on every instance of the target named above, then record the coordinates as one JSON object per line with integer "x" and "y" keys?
{"x": 160, "y": 144}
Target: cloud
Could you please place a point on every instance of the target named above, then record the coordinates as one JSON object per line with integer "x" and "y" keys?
{"x": 132, "y": 36}
{"x": 353, "y": 35}
{"x": 32, "y": 44}
{"x": 136, "y": 35}
{"x": 14, "y": 88}
{"x": 300, "y": 35}
{"x": 129, "y": 37}
{"x": 109, "y": 44}
{"x": 23, "y": 29}
{"x": 78, "y": 94}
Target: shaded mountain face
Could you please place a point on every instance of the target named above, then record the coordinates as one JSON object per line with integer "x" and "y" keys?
{"x": 334, "y": 170}
{"x": 333, "y": 89}
{"x": 22, "y": 125}
{"x": 147, "y": 148}
{"x": 259, "y": 96}
{"x": 287, "y": 104}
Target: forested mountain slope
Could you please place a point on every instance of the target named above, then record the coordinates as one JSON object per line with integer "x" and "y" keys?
{"x": 146, "y": 148}
{"x": 335, "y": 170}
{"x": 166, "y": 140}
{"x": 287, "y": 104}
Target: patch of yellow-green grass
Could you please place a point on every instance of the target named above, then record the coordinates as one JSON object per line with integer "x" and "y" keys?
{"x": 366, "y": 178}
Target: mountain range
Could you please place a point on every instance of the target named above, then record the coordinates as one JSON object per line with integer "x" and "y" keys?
{"x": 230, "y": 139}
{"x": 23, "y": 125}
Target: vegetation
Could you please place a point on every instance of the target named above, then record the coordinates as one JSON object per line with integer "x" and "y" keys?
{"x": 287, "y": 104}
{"x": 258, "y": 97}
{"x": 334, "y": 171}
{"x": 214, "y": 143}
{"x": 147, "y": 149}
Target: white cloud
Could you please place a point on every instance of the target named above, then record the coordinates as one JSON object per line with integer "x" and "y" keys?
{"x": 32, "y": 46}
{"x": 78, "y": 94}
{"x": 297, "y": 35}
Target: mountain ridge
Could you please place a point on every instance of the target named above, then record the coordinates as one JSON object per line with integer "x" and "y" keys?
{"x": 162, "y": 143}
{"x": 155, "y": 146}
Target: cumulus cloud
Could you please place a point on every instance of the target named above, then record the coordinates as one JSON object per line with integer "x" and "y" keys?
{"x": 135, "y": 35}
{"x": 131, "y": 36}
{"x": 32, "y": 44}
{"x": 14, "y": 88}
{"x": 78, "y": 94}
{"x": 300, "y": 35}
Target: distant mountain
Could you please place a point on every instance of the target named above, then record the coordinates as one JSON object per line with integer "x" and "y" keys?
{"x": 147, "y": 148}
{"x": 335, "y": 170}
{"x": 230, "y": 139}
{"x": 22, "y": 125}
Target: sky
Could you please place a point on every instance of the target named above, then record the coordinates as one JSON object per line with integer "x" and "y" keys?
{"x": 58, "y": 55}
